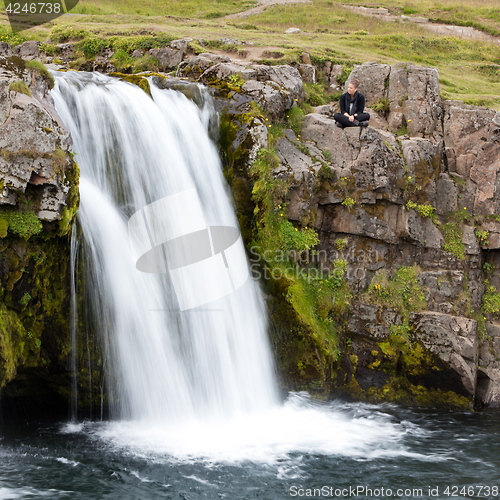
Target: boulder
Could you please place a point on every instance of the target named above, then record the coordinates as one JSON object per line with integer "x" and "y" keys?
{"x": 292, "y": 31}
{"x": 306, "y": 58}
{"x": 181, "y": 44}
{"x": 65, "y": 50}
{"x": 195, "y": 67}
{"x": 137, "y": 53}
{"x": 167, "y": 57}
{"x": 295, "y": 165}
{"x": 307, "y": 72}
{"x": 29, "y": 50}
{"x": 414, "y": 100}
{"x": 270, "y": 96}
{"x": 373, "y": 80}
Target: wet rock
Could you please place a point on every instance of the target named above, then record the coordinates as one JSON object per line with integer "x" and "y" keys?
{"x": 102, "y": 65}
{"x": 454, "y": 340}
{"x": 488, "y": 375}
{"x": 259, "y": 139}
{"x": 195, "y": 67}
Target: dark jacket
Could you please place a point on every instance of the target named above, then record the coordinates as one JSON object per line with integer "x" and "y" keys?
{"x": 358, "y": 102}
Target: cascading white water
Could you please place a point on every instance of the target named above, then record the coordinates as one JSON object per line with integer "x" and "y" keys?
{"x": 200, "y": 382}
{"x": 133, "y": 150}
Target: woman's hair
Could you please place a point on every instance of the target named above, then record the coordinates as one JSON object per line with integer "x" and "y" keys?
{"x": 355, "y": 82}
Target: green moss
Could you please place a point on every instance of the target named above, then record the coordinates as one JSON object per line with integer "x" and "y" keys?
{"x": 20, "y": 87}
{"x": 24, "y": 224}
{"x": 402, "y": 392}
{"x": 11, "y": 348}
{"x": 138, "y": 80}
{"x": 68, "y": 215}
{"x": 4, "y": 226}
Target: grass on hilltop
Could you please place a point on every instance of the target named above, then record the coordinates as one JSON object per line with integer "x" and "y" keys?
{"x": 469, "y": 70}
{"x": 206, "y": 9}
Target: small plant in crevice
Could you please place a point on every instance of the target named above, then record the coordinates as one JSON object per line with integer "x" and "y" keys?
{"x": 341, "y": 243}
{"x": 381, "y": 106}
{"x": 491, "y": 299}
{"x": 348, "y": 202}
{"x": 427, "y": 211}
{"x": 235, "y": 81}
{"x": 482, "y": 236}
{"x": 327, "y": 173}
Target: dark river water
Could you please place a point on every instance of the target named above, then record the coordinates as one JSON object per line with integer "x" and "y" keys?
{"x": 302, "y": 450}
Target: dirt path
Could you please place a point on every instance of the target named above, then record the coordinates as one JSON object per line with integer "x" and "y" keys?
{"x": 441, "y": 29}
{"x": 262, "y": 6}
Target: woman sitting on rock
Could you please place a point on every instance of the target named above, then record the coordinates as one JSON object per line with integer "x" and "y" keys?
{"x": 352, "y": 105}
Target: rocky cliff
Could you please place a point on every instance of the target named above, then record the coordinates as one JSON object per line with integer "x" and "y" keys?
{"x": 38, "y": 203}
{"x": 397, "y": 299}
{"x": 378, "y": 247}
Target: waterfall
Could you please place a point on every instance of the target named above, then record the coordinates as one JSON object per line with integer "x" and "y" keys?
{"x": 189, "y": 377}
{"x": 170, "y": 358}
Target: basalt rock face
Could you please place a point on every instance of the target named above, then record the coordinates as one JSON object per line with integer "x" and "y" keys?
{"x": 425, "y": 204}
{"x": 412, "y": 216}
{"x": 38, "y": 203}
